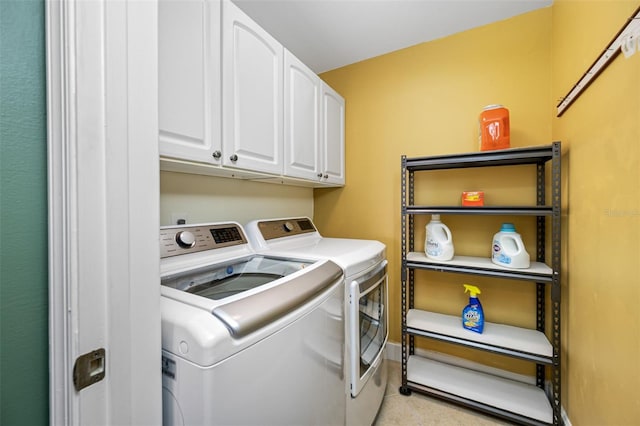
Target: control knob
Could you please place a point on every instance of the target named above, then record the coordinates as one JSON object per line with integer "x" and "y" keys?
{"x": 185, "y": 239}
{"x": 288, "y": 226}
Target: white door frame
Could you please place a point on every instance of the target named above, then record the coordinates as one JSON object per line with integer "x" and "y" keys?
{"x": 104, "y": 209}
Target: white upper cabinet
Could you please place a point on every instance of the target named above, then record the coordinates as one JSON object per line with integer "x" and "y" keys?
{"x": 189, "y": 80}
{"x": 314, "y": 126}
{"x": 332, "y": 136}
{"x": 301, "y": 120}
{"x": 252, "y": 90}
{"x": 232, "y": 103}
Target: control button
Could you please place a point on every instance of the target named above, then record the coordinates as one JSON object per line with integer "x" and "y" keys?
{"x": 184, "y": 347}
{"x": 185, "y": 239}
{"x": 288, "y": 226}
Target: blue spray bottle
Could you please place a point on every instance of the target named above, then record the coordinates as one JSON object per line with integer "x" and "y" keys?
{"x": 472, "y": 314}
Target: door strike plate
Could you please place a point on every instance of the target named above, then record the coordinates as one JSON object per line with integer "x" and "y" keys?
{"x": 89, "y": 369}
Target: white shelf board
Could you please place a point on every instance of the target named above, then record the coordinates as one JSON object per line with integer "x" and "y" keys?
{"x": 508, "y": 395}
{"x": 536, "y": 268}
{"x": 499, "y": 335}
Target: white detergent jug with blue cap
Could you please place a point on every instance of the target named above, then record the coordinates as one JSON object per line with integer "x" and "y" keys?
{"x": 438, "y": 244}
{"x": 508, "y": 249}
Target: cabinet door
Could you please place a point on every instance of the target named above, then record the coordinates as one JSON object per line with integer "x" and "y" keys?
{"x": 332, "y": 136}
{"x": 301, "y": 120}
{"x": 252, "y": 81}
{"x": 189, "y": 98}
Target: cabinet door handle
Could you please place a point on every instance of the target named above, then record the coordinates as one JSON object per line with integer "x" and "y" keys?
{"x": 233, "y": 158}
{"x": 319, "y": 175}
{"x": 217, "y": 155}
{"x": 325, "y": 176}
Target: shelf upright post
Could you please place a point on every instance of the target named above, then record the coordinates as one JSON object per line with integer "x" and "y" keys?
{"x": 540, "y": 257}
{"x": 556, "y": 256}
{"x": 403, "y": 273}
{"x": 412, "y": 338}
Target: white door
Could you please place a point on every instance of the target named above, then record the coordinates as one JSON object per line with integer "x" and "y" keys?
{"x": 333, "y": 135}
{"x": 301, "y": 120}
{"x": 103, "y": 212}
{"x": 252, "y": 80}
{"x": 189, "y": 80}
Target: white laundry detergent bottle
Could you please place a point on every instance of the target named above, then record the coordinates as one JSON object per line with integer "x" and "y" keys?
{"x": 508, "y": 249}
{"x": 438, "y": 244}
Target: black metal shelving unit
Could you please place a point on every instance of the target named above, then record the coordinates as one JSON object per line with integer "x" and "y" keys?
{"x": 493, "y": 394}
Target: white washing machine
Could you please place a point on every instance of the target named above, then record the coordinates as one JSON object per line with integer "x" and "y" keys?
{"x": 366, "y": 315}
{"x": 248, "y": 339}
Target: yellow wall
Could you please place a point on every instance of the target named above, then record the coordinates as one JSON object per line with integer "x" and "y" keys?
{"x": 425, "y": 100}
{"x": 601, "y": 133}
{"x": 216, "y": 199}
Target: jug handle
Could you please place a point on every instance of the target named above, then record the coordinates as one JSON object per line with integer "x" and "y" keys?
{"x": 518, "y": 243}
{"x": 449, "y": 236}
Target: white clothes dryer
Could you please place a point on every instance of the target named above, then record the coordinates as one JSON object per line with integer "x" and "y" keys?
{"x": 248, "y": 339}
{"x": 366, "y": 297}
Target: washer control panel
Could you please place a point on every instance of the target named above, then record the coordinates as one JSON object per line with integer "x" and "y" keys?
{"x": 184, "y": 239}
{"x": 271, "y": 229}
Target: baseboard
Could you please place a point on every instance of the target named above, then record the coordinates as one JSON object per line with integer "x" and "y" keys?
{"x": 393, "y": 352}
{"x": 565, "y": 417}
{"x": 563, "y": 414}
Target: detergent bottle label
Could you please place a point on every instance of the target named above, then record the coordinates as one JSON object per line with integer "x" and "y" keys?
{"x": 471, "y": 318}
{"x": 433, "y": 247}
{"x": 498, "y": 254}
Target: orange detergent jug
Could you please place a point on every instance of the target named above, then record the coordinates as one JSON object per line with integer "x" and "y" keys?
{"x": 494, "y": 128}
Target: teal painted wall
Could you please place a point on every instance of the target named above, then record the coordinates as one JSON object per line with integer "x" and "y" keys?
{"x": 24, "y": 352}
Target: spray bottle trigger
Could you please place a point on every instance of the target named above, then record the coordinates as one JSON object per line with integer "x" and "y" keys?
{"x": 472, "y": 289}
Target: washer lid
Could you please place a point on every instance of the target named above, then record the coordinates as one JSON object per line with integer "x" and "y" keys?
{"x": 219, "y": 281}
{"x": 353, "y": 256}
{"x": 206, "y": 331}
{"x": 251, "y": 313}
{"x": 273, "y": 236}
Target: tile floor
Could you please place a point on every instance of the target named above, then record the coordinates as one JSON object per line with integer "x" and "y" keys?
{"x": 418, "y": 409}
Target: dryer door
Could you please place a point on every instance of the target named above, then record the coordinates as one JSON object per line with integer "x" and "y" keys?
{"x": 368, "y": 330}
